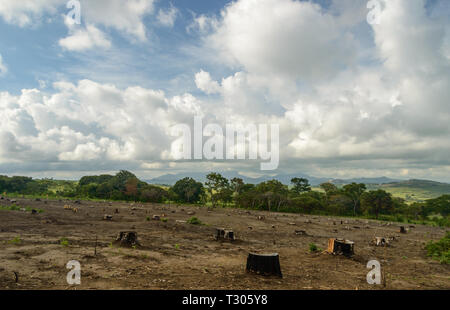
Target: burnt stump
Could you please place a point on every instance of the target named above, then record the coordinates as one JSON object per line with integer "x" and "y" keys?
{"x": 264, "y": 264}
{"x": 127, "y": 239}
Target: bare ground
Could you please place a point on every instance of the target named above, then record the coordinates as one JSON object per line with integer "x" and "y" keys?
{"x": 177, "y": 255}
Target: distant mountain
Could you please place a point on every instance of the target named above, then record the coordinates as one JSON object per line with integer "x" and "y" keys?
{"x": 381, "y": 180}
{"x": 171, "y": 179}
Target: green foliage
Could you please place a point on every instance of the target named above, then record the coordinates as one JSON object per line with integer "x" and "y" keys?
{"x": 164, "y": 220}
{"x": 64, "y": 242}
{"x": 313, "y": 248}
{"x": 187, "y": 190}
{"x": 300, "y": 185}
{"x": 194, "y": 221}
{"x": 15, "y": 241}
{"x": 440, "y": 250}
{"x": 18, "y": 208}
{"x": 377, "y": 202}
{"x": 219, "y": 188}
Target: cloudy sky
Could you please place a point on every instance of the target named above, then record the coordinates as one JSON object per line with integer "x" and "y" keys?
{"x": 351, "y": 98}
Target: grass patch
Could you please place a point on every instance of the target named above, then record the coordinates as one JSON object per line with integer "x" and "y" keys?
{"x": 64, "y": 242}
{"x": 313, "y": 248}
{"x": 194, "y": 221}
{"x": 18, "y": 208}
{"x": 440, "y": 250}
{"x": 16, "y": 241}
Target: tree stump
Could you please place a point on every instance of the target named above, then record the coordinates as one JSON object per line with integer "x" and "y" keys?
{"x": 127, "y": 239}
{"x": 264, "y": 264}
{"x": 224, "y": 234}
{"x": 381, "y": 241}
{"x": 402, "y": 229}
{"x": 341, "y": 247}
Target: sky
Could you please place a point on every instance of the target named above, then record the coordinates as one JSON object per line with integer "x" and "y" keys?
{"x": 351, "y": 98}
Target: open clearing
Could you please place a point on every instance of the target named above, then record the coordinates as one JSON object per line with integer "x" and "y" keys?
{"x": 177, "y": 255}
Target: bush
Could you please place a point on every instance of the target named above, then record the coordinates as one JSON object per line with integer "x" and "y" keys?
{"x": 16, "y": 240}
{"x": 440, "y": 250}
{"x": 194, "y": 221}
{"x": 64, "y": 242}
{"x": 313, "y": 248}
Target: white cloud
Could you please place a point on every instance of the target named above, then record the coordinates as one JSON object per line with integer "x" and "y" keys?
{"x": 167, "y": 17}
{"x": 25, "y": 12}
{"x": 125, "y": 16}
{"x": 3, "y": 67}
{"x": 283, "y": 37}
{"x": 84, "y": 38}
{"x": 205, "y": 83}
{"x": 297, "y": 66}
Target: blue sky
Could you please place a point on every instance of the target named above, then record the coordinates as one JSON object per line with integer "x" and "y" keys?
{"x": 33, "y": 52}
{"x": 94, "y": 97}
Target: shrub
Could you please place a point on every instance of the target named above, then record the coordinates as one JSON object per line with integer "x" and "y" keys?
{"x": 440, "y": 250}
{"x": 16, "y": 240}
{"x": 313, "y": 248}
{"x": 194, "y": 221}
{"x": 64, "y": 242}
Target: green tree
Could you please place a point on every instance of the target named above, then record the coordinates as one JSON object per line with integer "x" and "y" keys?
{"x": 300, "y": 185}
{"x": 188, "y": 190}
{"x": 218, "y": 188}
{"x": 377, "y": 202}
{"x": 354, "y": 191}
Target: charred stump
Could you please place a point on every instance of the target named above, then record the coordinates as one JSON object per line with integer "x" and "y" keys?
{"x": 402, "y": 230}
{"x": 264, "y": 264}
{"x": 341, "y": 247}
{"x": 127, "y": 239}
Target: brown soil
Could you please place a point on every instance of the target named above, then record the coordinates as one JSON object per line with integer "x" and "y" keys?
{"x": 177, "y": 255}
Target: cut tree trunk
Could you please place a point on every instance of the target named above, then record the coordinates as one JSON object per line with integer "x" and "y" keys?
{"x": 127, "y": 239}
{"x": 224, "y": 234}
{"x": 264, "y": 264}
{"x": 341, "y": 247}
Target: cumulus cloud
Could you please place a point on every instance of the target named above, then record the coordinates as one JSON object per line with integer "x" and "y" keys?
{"x": 84, "y": 38}
{"x": 90, "y": 122}
{"x": 283, "y": 37}
{"x": 123, "y": 15}
{"x": 342, "y": 111}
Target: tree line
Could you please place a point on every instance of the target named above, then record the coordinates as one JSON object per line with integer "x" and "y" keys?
{"x": 349, "y": 200}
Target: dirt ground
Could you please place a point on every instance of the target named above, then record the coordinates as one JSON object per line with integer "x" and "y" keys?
{"x": 177, "y": 255}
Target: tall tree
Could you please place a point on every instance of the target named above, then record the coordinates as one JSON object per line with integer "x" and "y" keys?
{"x": 188, "y": 190}
{"x": 377, "y": 202}
{"x": 301, "y": 185}
{"x": 218, "y": 188}
{"x": 354, "y": 191}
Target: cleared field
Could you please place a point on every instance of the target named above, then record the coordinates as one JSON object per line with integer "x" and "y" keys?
{"x": 177, "y": 255}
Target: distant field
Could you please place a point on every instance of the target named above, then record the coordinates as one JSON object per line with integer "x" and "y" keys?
{"x": 415, "y": 190}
